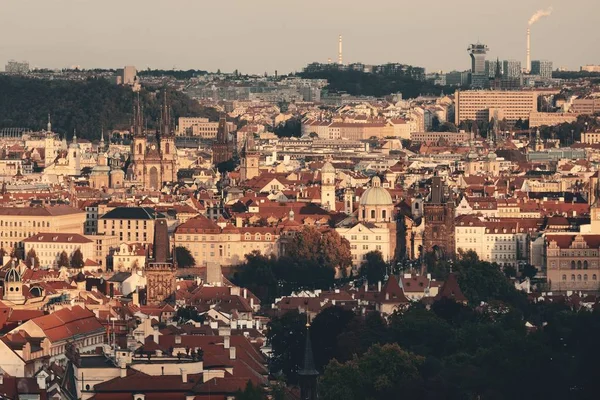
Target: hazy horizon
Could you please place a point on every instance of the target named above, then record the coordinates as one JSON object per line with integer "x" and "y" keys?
{"x": 267, "y": 35}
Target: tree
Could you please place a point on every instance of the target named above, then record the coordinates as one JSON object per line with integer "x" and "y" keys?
{"x": 184, "y": 314}
{"x": 286, "y": 335}
{"x": 251, "y": 392}
{"x": 184, "y": 257}
{"x": 77, "y": 259}
{"x": 381, "y": 373}
{"x": 529, "y": 271}
{"x": 31, "y": 259}
{"x": 374, "y": 269}
{"x": 258, "y": 275}
{"x": 63, "y": 259}
{"x": 2, "y": 252}
{"x": 325, "y": 329}
{"x": 335, "y": 250}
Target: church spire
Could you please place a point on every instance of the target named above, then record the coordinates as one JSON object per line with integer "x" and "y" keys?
{"x": 308, "y": 374}
{"x": 138, "y": 117}
{"x": 165, "y": 116}
{"x": 49, "y": 126}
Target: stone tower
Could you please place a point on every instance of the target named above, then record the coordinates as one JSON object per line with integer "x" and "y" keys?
{"x": 438, "y": 212}
{"x": 160, "y": 272}
{"x": 328, "y": 187}
{"x": 249, "y": 160}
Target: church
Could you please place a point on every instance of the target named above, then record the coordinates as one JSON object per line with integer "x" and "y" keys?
{"x": 154, "y": 156}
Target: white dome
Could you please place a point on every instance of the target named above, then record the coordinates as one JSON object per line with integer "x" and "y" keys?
{"x": 327, "y": 168}
{"x": 376, "y": 195}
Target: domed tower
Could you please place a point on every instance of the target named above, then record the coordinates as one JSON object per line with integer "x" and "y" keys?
{"x": 74, "y": 156}
{"x": 349, "y": 200}
{"x": 328, "y": 186}
{"x": 376, "y": 204}
{"x": 13, "y": 285}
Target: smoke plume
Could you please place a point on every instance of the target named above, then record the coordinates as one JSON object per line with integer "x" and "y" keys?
{"x": 539, "y": 15}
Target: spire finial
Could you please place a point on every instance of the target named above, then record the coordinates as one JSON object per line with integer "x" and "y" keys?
{"x": 49, "y": 126}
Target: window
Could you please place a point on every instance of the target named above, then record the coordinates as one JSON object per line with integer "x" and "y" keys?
{"x": 578, "y": 264}
{"x": 585, "y": 265}
{"x": 594, "y": 277}
{"x": 572, "y": 264}
{"x": 564, "y": 277}
{"x": 384, "y": 214}
{"x": 572, "y": 277}
{"x": 579, "y": 277}
{"x": 585, "y": 277}
{"x": 372, "y": 214}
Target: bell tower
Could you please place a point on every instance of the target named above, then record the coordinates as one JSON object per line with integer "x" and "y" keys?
{"x": 328, "y": 186}
{"x": 349, "y": 200}
{"x": 249, "y": 161}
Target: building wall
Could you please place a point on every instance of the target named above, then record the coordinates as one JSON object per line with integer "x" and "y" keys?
{"x": 227, "y": 248}
{"x": 474, "y": 105}
{"x": 48, "y": 252}
{"x": 550, "y": 119}
{"x": 15, "y": 228}
{"x": 574, "y": 268}
{"x": 128, "y": 230}
{"x": 364, "y": 240}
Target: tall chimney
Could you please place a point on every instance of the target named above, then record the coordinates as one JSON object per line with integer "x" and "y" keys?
{"x": 528, "y": 63}
{"x": 340, "y": 59}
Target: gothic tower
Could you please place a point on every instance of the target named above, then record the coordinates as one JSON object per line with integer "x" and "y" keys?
{"x": 167, "y": 139}
{"x": 139, "y": 136}
{"x": 328, "y": 187}
{"x": 249, "y": 161}
{"x": 160, "y": 273}
{"x": 438, "y": 213}
{"x": 222, "y": 149}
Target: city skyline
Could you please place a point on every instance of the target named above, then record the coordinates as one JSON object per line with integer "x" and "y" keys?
{"x": 257, "y": 38}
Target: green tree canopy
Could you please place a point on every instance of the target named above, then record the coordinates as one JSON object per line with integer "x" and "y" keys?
{"x": 63, "y": 259}
{"x": 374, "y": 268}
{"x": 184, "y": 257}
{"x": 31, "y": 259}
{"x": 77, "y": 260}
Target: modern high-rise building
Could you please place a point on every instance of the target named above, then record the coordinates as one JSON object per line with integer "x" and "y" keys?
{"x": 477, "y": 51}
{"x": 16, "y": 67}
{"x": 543, "y": 68}
{"x": 491, "y": 68}
{"x": 511, "y": 68}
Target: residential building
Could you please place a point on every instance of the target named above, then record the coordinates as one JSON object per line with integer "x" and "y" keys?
{"x": 49, "y": 246}
{"x": 511, "y": 68}
{"x": 537, "y": 119}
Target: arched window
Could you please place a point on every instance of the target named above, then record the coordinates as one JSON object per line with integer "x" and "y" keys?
{"x": 572, "y": 264}
{"x": 579, "y": 277}
{"x": 564, "y": 277}
{"x": 572, "y": 277}
{"x": 594, "y": 277}
{"x": 139, "y": 148}
{"x": 247, "y": 236}
{"x": 384, "y": 214}
{"x": 372, "y": 214}
{"x": 364, "y": 214}
{"x": 585, "y": 277}
{"x": 585, "y": 265}
{"x": 167, "y": 148}
{"x": 268, "y": 236}
{"x": 257, "y": 236}
{"x": 578, "y": 264}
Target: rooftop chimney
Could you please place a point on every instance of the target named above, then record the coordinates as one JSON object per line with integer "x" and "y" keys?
{"x": 232, "y": 353}
{"x": 184, "y": 377}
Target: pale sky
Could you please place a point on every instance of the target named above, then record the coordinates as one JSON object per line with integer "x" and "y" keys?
{"x": 255, "y": 36}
